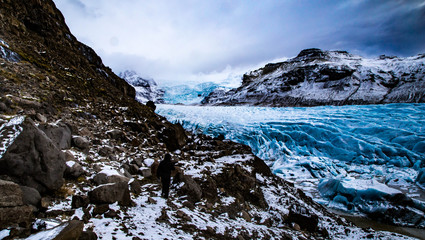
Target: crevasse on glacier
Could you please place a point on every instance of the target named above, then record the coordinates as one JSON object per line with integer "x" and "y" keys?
{"x": 339, "y": 147}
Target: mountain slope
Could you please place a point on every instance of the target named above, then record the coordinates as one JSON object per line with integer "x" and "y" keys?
{"x": 317, "y": 77}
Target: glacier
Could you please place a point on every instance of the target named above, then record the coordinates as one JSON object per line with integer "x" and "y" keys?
{"x": 352, "y": 158}
{"x": 187, "y": 94}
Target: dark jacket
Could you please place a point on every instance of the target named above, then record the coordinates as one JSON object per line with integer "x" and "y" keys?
{"x": 165, "y": 167}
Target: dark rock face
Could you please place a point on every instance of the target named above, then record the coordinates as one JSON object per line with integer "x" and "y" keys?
{"x": 317, "y": 77}
{"x": 60, "y": 134}
{"x": 33, "y": 160}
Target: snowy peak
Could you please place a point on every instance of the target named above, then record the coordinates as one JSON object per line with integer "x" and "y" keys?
{"x": 146, "y": 89}
{"x": 317, "y": 77}
{"x": 135, "y": 80}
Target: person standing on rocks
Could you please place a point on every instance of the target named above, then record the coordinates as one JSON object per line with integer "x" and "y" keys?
{"x": 164, "y": 172}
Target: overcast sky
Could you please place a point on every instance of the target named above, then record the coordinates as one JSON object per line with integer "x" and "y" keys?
{"x": 204, "y": 40}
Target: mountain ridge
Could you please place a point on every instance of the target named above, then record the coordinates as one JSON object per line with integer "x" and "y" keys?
{"x": 317, "y": 77}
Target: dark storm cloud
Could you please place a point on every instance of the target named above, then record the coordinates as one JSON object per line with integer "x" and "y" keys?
{"x": 188, "y": 39}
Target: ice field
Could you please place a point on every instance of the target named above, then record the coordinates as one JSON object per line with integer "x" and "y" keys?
{"x": 347, "y": 157}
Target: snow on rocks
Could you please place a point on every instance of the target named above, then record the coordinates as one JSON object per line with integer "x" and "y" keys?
{"x": 9, "y": 131}
{"x": 8, "y": 54}
{"x": 29, "y": 157}
{"x": 220, "y": 190}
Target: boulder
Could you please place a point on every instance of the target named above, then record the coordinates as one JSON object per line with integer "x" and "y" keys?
{"x": 136, "y": 126}
{"x": 116, "y": 134}
{"x": 73, "y": 169}
{"x": 151, "y": 105}
{"x": 59, "y": 133}
{"x": 81, "y": 142}
{"x": 40, "y": 117}
{"x": 135, "y": 187}
{"x": 32, "y": 159}
{"x": 105, "y": 151}
{"x": 113, "y": 176}
{"x": 174, "y": 136}
{"x": 10, "y": 194}
{"x": 31, "y": 196}
{"x": 110, "y": 193}
{"x": 80, "y": 201}
{"x": 146, "y": 172}
{"x": 190, "y": 188}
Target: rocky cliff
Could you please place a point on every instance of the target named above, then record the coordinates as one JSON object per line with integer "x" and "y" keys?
{"x": 78, "y": 155}
{"x": 317, "y": 77}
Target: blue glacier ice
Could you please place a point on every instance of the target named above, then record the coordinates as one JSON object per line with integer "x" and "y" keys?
{"x": 374, "y": 151}
{"x": 186, "y": 94}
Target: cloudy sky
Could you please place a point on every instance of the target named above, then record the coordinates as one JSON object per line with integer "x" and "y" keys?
{"x": 210, "y": 40}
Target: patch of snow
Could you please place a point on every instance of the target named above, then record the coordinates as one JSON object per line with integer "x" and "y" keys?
{"x": 148, "y": 162}
{"x": 228, "y": 200}
{"x": 9, "y": 131}
{"x": 47, "y": 234}
{"x": 110, "y": 171}
{"x": 4, "y": 233}
{"x": 70, "y": 163}
{"x": 234, "y": 159}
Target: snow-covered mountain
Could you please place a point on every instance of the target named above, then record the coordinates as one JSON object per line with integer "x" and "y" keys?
{"x": 146, "y": 89}
{"x": 317, "y": 77}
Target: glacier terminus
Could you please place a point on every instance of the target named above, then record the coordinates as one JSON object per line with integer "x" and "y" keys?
{"x": 366, "y": 160}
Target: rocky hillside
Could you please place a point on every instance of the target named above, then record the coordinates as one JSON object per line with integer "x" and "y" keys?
{"x": 317, "y": 77}
{"x": 78, "y": 155}
{"x": 146, "y": 89}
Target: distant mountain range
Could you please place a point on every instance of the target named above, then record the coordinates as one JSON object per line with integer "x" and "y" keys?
{"x": 316, "y": 77}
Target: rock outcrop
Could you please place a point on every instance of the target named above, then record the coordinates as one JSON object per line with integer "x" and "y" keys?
{"x": 31, "y": 158}
{"x": 317, "y": 77}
